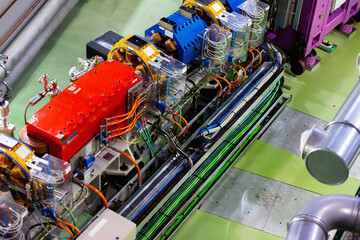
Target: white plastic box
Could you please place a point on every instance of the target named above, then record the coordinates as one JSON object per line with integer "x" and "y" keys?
{"x": 239, "y": 26}
{"x": 258, "y": 13}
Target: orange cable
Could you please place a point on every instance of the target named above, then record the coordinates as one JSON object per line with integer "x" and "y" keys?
{"x": 66, "y": 229}
{"x": 235, "y": 83}
{"x": 253, "y": 57}
{"x": 177, "y": 125}
{"x": 134, "y": 162}
{"x": 227, "y": 82}
{"x": 186, "y": 123}
{"x": 219, "y": 85}
{"x": 99, "y": 193}
{"x": 68, "y": 224}
{"x": 128, "y": 128}
{"x": 260, "y": 57}
{"x": 136, "y": 103}
{"x": 238, "y": 76}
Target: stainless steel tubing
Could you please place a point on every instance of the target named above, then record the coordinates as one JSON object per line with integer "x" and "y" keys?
{"x": 330, "y": 153}
{"x": 320, "y": 215}
{"x": 24, "y": 48}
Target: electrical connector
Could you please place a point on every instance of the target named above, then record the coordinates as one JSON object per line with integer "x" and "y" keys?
{"x": 161, "y": 106}
{"x": 48, "y": 213}
{"x": 88, "y": 161}
{"x": 205, "y": 63}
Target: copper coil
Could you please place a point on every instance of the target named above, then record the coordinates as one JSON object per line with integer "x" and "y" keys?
{"x": 141, "y": 68}
{"x": 130, "y": 57}
{"x": 38, "y": 146}
{"x": 170, "y": 45}
{"x": 5, "y": 162}
{"x": 157, "y": 37}
{"x": 17, "y": 173}
{"x": 117, "y": 56}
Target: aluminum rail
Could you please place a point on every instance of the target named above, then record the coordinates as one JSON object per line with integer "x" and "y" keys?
{"x": 330, "y": 153}
{"x": 320, "y": 215}
{"x": 26, "y": 45}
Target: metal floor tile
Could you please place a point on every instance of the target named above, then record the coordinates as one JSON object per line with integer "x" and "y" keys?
{"x": 243, "y": 197}
{"x": 285, "y": 132}
{"x": 288, "y": 201}
{"x": 256, "y": 201}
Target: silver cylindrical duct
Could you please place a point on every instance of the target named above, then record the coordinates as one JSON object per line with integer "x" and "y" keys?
{"x": 38, "y": 31}
{"x": 322, "y": 214}
{"x": 329, "y": 153}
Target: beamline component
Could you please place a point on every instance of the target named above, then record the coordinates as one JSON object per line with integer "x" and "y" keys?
{"x": 330, "y": 153}
{"x": 322, "y": 214}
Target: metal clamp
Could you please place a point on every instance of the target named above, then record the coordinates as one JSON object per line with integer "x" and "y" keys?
{"x": 346, "y": 123}
{"x": 3, "y": 59}
{"x": 309, "y": 218}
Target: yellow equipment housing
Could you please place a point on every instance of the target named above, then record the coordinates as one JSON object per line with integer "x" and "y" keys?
{"x": 135, "y": 51}
{"x": 213, "y": 9}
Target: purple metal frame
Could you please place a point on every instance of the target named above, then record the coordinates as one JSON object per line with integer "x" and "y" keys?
{"x": 315, "y": 23}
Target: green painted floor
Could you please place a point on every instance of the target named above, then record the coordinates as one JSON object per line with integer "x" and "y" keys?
{"x": 319, "y": 93}
{"x": 203, "y": 225}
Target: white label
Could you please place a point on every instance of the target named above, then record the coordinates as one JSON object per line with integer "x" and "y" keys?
{"x": 98, "y": 227}
{"x": 78, "y": 90}
{"x": 169, "y": 34}
{"x": 149, "y": 51}
{"x": 161, "y": 28}
{"x": 22, "y": 152}
{"x": 216, "y": 7}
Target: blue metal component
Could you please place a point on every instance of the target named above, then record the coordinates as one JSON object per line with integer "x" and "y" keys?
{"x": 88, "y": 160}
{"x": 48, "y": 213}
{"x": 232, "y": 5}
{"x": 161, "y": 106}
{"x": 188, "y": 43}
{"x": 205, "y": 63}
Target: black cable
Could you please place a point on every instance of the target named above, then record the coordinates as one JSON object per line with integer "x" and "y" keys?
{"x": 37, "y": 225}
{"x": 172, "y": 143}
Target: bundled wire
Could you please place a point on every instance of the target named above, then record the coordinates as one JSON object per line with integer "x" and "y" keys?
{"x": 145, "y": 135}
{"x": 120, "y": 131}
{"x": 244, "y": 72}
{"x": 171, "y": 142}
{"x": 68, "y": 224}
{"x": 176, "y": 124}
{"x": 113, "y": 121}
{"x": 186, "y": 123}
{"x": 227, "y": 82}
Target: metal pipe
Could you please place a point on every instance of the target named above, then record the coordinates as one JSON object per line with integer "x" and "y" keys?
{"x": 24, "y": 48}
{"x": 330, "y": 153}
{"x": 320, "y": 215}
{"x": 16, "y": 27}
